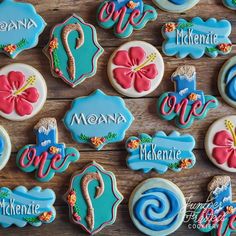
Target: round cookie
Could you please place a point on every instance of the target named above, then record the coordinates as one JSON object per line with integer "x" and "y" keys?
{"x": 135, "y": 69}
{"x": 227, "y": 81}
{"x": 5, "y": 147}
{"x": 231, "y": 4}
{"x": 157, "y": 207}
{"x": 23, "y": 92}
{"x": 175, "y": 6}
{"x": 220, "y": 143}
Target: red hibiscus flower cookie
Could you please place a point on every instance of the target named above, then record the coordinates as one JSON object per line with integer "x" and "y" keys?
{"x": 23, "y": 92}
{"x": 220, "y": 143}
{"x": 135, "y": 69}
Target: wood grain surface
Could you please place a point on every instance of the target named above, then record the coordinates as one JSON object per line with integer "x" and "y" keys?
{"x": 192, "y": 182}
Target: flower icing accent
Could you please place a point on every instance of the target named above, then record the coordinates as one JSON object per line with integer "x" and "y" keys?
{"x": 134, "y": 144}
{"x": 135, "y": 69}
{"x": 76, "y": 216}
{"x": 53, "y": 150}
{"x": 97, "y": 141}
{"x": 16, "y": 93}
{"x": 224, "y": 47}
{"x": 53, "y": 44}
{"x": 184, "y": 164}
{"x": 71, "y": 198}
{"x": 10, "y": 48}
{"x": 192, "y": 97}
{"x": 230, "y": 210}
{"x": 226, "y": 145}
{"x": 132, "y": 5}
{"x": 170, "y": 27}
{"x": 46, "y": 216}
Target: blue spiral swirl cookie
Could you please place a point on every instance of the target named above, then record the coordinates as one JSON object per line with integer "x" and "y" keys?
{"x": 157, "y": 207}
{"x": 231, "y": 4}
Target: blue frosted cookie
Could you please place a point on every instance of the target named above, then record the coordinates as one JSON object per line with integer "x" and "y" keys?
{"x": 231, "y": 4}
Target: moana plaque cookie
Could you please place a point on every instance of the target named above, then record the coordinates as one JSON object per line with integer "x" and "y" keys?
{"x": 157, "y": 207}
{"x": 186, "y": 103}
{"x": 135, "y": 69}
{"x": 93, "y": 198}
{"x": 20, "y": 27}
{"x": 124, "y": 16}
{"x": 220, "y": 143}
{"x": 197, "y": 37}
{"x": 23, "y": 92}
{"x": 47, "y": 156}
{"x": 73, "y": 50}
{"x": 218, "y": 215}
{"x": 98, "y": 119}
{"x": 5, "y": 147}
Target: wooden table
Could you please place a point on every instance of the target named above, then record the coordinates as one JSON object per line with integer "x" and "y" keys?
{"x": 192, "y": 182}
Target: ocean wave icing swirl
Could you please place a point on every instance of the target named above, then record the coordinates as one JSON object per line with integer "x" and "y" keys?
{"x": 178, "y": 2}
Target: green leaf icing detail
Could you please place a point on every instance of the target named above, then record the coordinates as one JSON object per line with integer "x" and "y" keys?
{"x": 185, "y": 25}
{"x": 31, "y": 220}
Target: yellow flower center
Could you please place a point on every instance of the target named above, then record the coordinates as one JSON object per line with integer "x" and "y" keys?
{"x": 230, "y": 126}
{"x": 150, "y": 59}
{"x": 30, "y": 82}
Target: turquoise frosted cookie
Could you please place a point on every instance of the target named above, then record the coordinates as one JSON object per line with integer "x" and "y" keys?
{"x": 20, "y": 27}
{"x": 98, "y": 119}
{"x": 73, "y": 50}
{"x": 217, "y": 215}
{"x": 93, "y": 198}
{"x": 157, "y": 207}
{"x": 175, "y": 5}
{"x": 231, "y": 4}
{"x": 21, "y": 206}
{"x": 186, "y": 103}
{"x": 124, "y": 16}
{"x": 5, "y": 147}
{"x": 161, "y": 152}
{"x": 196, "y": 37}
{"x": 227, "y": 82}
{"x": 47, "y": 156}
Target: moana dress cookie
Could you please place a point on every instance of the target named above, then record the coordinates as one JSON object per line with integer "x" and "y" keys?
{"x": 20, "y": 27}
{"x": 98, "y": 119}
{"x": 220, "y": 143}
{"x": 124, "y": 16}
{"x": 196, "y": 37}
{"x": 5, "y": 147}
{"x": 227, "y": 82}
{"x": 157, "y": 207}
{"x": 186, "y": 103}
{"x": 231, "y": 4}
{"x": 176, "y": 6}
{"x": 23, "y": 92}
{"x": 161, "y": 152}
{"x": 93, "y": 198}
{"x": 218, "y": 215}
{"x": 47, "y": 156}
{"x": 22, "y": 206}
{"x": 73, "y": 50}
{"x": 135, "y": 69}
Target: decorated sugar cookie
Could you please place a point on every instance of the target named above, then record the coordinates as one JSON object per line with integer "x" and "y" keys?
{"x": 98, "y": 119}
{"x": 217, "y": 216}
{"x": 220, "y": 143}
{"x": 93, "y": 198}
{"x": 20, "y": 27}
{"x": 73, "y": 50}
{"x": 157, "y": 207}
{"x": 135, "y": 69}
{"x": 186, "y": 103}
{"x": 160, "y": 152}
{"x": 231, "y": 4}
{"x": 5, "y": 147}
{"x": 227, "y": 82}
{"x": 23, "y": 92}
{"x": 47, "y": 156}
{"x": 21, "y": 206}
{"x": 197, "y": 37}
{"x": 175, "y": 5}
{"x": 124, "y": 16}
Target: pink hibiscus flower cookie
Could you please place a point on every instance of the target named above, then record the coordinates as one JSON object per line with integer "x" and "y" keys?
{"x": 220, "y": 143}
{"x": 23, "y": 92}
{"x": 135, "y": 69}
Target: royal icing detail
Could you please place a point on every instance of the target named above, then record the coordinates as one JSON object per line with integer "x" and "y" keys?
{"x": 90, "y": 189}
{"x": 20, "y": 29}
{"x": 23, "y": 92}
{"x": 21, "y": 206}
{"x": 98, "y": 119}
{"x": 231, "y": 4}
{"x": 73, "y": 50}
{"x": 227, "y": 81}
{"x": 161, "y": 152}
{"x": 157, "y": 207}
{"x": 5, "y": 147}
{"x": 135, "y": 69}
{"x": 186, "y": 103}
{"x": 175, "y": 5}
{"x": 124, "y": 16}
{"x": 196, "y": 38}
{"x": 218, "y": 214}
{"x": 47, "y": 156}
{"x": 220, "y": 143}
